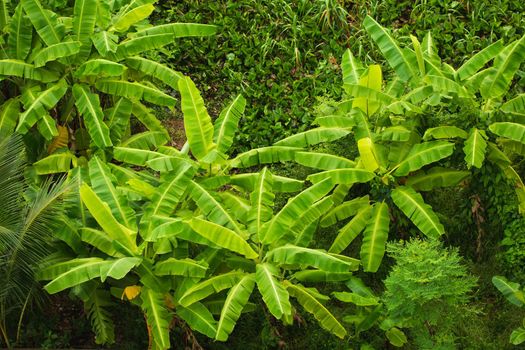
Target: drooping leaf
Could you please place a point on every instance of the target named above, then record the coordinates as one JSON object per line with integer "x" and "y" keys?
{"x": 179, "y": 30}
{"x": 22, "y": 69}
{"x": 374, "y": 237}
{"x": 74, "y": 272}
{"x": 475, "y": 148}
{"x": 274, "y": 294}
{"x": 44, "y": 21}
{"x": 478, "y": 61}
{"x": 310, "y": 303}
{"x": 181, "y": 267}
{"x": 210, "y": 286}
{"x": 506, "y": 64}
{"x": 264, "y": 155}
{"x": 135, "y": 91}
{"x": 54, "y": 163}
{"x": 289, "y": 254}
{"x": 421, "y": 214}
{"x": 157, "y": 316}
{"x": 510, "y": 290}
{"x": 444, "y": 132}
{"x": 233, "y": 305}
{"x": 199, "y": 318}
{"x": 322, "y": 161}
{"x": 321, "y": 276}
{"x": 343, "y": 176}
{"x": 313, "y": 137}
{"x": 157, "y": 70}
{"x": 100, "y": 67}
{"x": 515, "y": 106}
{"x": 423, "y": 154}
{"x": 436, "y": 177}
{"x": 349, "y": 232}
{"x": 56, "y": 51}
{"x": 223, "y": 237}
{"x": 513, "y": 131}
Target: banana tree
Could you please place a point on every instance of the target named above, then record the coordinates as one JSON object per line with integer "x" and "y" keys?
{"x": 195, "y": 245}
{"x": 393, "y": 160}
{"x": 75, "y": 76}
{"x": 480, "y": 91}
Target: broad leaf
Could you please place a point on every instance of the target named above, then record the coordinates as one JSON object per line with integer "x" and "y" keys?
{"x": 223, "y": 237}
{"x": 475, "y": 148}
{"x": 309, "y": 302}
{"x": 197, "y": 122}
{"x": 199, "y": 318}
{"x": 374, "y": 237}
{"x": 88, "y": 105}
{"x": 421, "y": 214}
{"x": 233, "y": 305}
{"x": 423, "y": 154}
{"x": 349, "y": 232}
{"x": 436, "y": 177}
{"x": 210, "y": 286}
{"x": 157, "y": 316}
{"x": 398, "y": 59}
{"x": 510, "y": 290}
{"x": 293, "y": 255}
{"x": 273, "y": 292}
{"x": 226, "y": 125}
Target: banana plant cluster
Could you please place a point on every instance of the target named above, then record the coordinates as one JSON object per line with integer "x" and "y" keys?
{"x": 402, "y": 147}
{"x": 186, "y": 238}
{"x": 482, "y": 91}
{"x": 75, "y": 76}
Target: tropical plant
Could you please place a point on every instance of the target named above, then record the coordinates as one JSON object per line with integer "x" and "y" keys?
{"x": 392, "y": 158}
{"x": 398, "y": 139}
{"x": 513, "y": 292}
{"x": 28, "y": 218}
{"x": 200, "y": 233}
{"x": 427, "y": 291}
{"x": 481, "y": 89}
{"x": 75, "y": 75}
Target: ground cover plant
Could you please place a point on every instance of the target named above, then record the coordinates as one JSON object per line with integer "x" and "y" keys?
{"x": 339, "y": 235}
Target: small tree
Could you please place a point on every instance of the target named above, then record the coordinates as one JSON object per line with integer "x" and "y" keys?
{"x": 427, "y": 291}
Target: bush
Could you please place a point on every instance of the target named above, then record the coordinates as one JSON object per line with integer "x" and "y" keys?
{"x": 427, "y": 291}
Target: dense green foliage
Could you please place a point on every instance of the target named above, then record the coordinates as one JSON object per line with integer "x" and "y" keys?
{"x": 313, "y": 136}
{"x": 427, "y": 291}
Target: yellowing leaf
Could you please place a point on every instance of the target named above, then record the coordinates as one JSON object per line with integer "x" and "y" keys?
{"x": 59, "y": 141}
{"x": 366, "y": 150}
{"x": 131, "y": 292}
